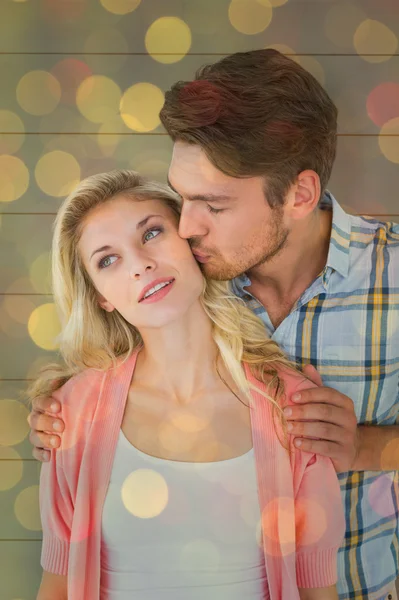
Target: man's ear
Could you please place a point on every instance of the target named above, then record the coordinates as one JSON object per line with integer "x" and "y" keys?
{"x": 307, "y": 194}
{"x": 105, "y": 304}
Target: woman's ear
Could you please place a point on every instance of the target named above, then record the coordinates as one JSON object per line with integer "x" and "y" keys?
{"x": 105, "y": 304}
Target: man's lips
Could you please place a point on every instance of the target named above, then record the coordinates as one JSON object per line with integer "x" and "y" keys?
{"x": 202, "y": 258}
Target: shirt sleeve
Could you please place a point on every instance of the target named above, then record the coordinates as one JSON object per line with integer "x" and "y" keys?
{"x": 56, "y": 512}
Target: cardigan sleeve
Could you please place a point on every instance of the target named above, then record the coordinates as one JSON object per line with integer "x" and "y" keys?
{"x": 320, "y": 523}
{"x": 319, "y": 513}
{"x": 56, "y": 505}
{"x": 56, "y": 511}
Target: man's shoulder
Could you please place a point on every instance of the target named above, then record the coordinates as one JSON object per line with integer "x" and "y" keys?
{"x": 369, "y": 230}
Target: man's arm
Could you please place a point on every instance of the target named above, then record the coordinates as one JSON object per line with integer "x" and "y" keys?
{"x": 378, "y": 448}
{"x": 43, "y": 421}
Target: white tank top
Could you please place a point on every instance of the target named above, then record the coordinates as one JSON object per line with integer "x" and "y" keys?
{"x": 181, "y": 530}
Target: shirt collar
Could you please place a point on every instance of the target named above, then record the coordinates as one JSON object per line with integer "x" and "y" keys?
{"x": 338, "y": 253}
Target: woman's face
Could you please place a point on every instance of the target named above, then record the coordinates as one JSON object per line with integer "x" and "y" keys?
{"x": 128, "y": 247}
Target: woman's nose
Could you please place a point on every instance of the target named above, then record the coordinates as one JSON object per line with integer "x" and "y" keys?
{"x": 138, "y": 271}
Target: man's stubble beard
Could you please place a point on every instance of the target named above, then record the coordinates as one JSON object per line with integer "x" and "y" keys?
{"x": 220, "y": 270}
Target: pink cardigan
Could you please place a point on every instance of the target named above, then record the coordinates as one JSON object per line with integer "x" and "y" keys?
{"x": 299, "y": 497}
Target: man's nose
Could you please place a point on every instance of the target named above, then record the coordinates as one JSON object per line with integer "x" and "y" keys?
{"x": 190, "y": 225}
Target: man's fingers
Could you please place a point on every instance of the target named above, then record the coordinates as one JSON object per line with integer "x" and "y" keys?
{"x": 41, "y": 455}
{"x": 43, "y": 422}
{"x": 46, "y": 404}
{"x": 322, "y": 394}
{"x": 42, "y": 440}
{"x": 318, "y": 430}
{"x": 317, "y": 412}
{"x": 312, "y": 373}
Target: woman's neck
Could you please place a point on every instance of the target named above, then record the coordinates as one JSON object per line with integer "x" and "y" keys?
{"x": 179, "y": 358}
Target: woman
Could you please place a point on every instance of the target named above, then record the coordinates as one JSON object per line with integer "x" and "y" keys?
{"x": 175, "y": 477}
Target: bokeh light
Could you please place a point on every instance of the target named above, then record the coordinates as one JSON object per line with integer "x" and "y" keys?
{"x": 278, "y": 525}
{"x": 140, "y": 107}
{"x": 341, "y": 22}
{"x": 26, "y": 508}
{"x": 40, "y": 273}
{"x": 145, "y": 493}
{"x": 38, "y": 92}
{"x": 120, "y": 7}
{"x": 11, "y": 469}
{"x": 13, "y": 424}
{"x": 63, "y": 10}
{"x": 98, "y": 98}
{"x": 352, "y": 115}
{"x": 373, "y": 38}
{"x": 173, "y": 440}
{"x": 283, "y": 48}
{"x": 312, "y": 65}
{"x": 388, "y": 140}
{"x": 44, "y": 327}
{"x": 70, "y": 72}
{"x": 152, "y": 168}
{"x": 103, "y": 40}
{"x": 168, "y": 35}
{"x": 188, "y": 422}
{"x": 14, "y": 178}
{"x": 305, "y": 507}
{"x": 57, "y": 173}
{"x": 383, "y": 103}
{"x": 380, "y": 491}
{"x": 19, "y": 308}
{"x": 109, "y": 143}
{"x": 250, "y": 16}
{"x": 10, "y": 122}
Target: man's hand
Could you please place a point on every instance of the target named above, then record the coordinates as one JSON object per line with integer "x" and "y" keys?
{"x": 43, "y": 421}
{"x": 324, "y": 422}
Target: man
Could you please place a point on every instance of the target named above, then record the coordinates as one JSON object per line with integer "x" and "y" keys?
{"x": 254, "y": 144}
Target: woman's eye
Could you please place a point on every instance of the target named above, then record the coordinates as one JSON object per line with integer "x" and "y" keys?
{"x": 156, "y": 229}
{"x": 214, "y": 211}
{"x": 105, "y": 262}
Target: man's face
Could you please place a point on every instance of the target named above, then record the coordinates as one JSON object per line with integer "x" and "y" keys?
{"x": 244, "y": 234}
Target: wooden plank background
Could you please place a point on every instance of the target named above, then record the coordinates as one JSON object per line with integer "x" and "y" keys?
{"x": 39, "y": 35}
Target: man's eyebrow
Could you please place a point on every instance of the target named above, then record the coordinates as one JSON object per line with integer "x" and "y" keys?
{"x": 139, "y": 225}
{"x": 204, "y": 197}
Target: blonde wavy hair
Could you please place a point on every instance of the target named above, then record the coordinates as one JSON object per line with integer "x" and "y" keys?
{"x": 94, "y": 338}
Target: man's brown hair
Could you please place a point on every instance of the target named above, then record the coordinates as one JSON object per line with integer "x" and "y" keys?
{"x": 256, "y": 113}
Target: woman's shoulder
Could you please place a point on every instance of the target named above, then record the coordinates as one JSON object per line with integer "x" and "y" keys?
{"x": 84, "y": 383}
{"x": 294, "y": 381}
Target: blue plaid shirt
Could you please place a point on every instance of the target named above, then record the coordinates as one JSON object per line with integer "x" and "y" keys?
{"x": 346, "y": 324}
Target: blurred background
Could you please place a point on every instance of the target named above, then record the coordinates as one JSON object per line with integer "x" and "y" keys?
{"x": 82, "y": 83}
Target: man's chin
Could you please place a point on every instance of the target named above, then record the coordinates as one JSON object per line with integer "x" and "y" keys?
{"x": 218, "y": 272}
